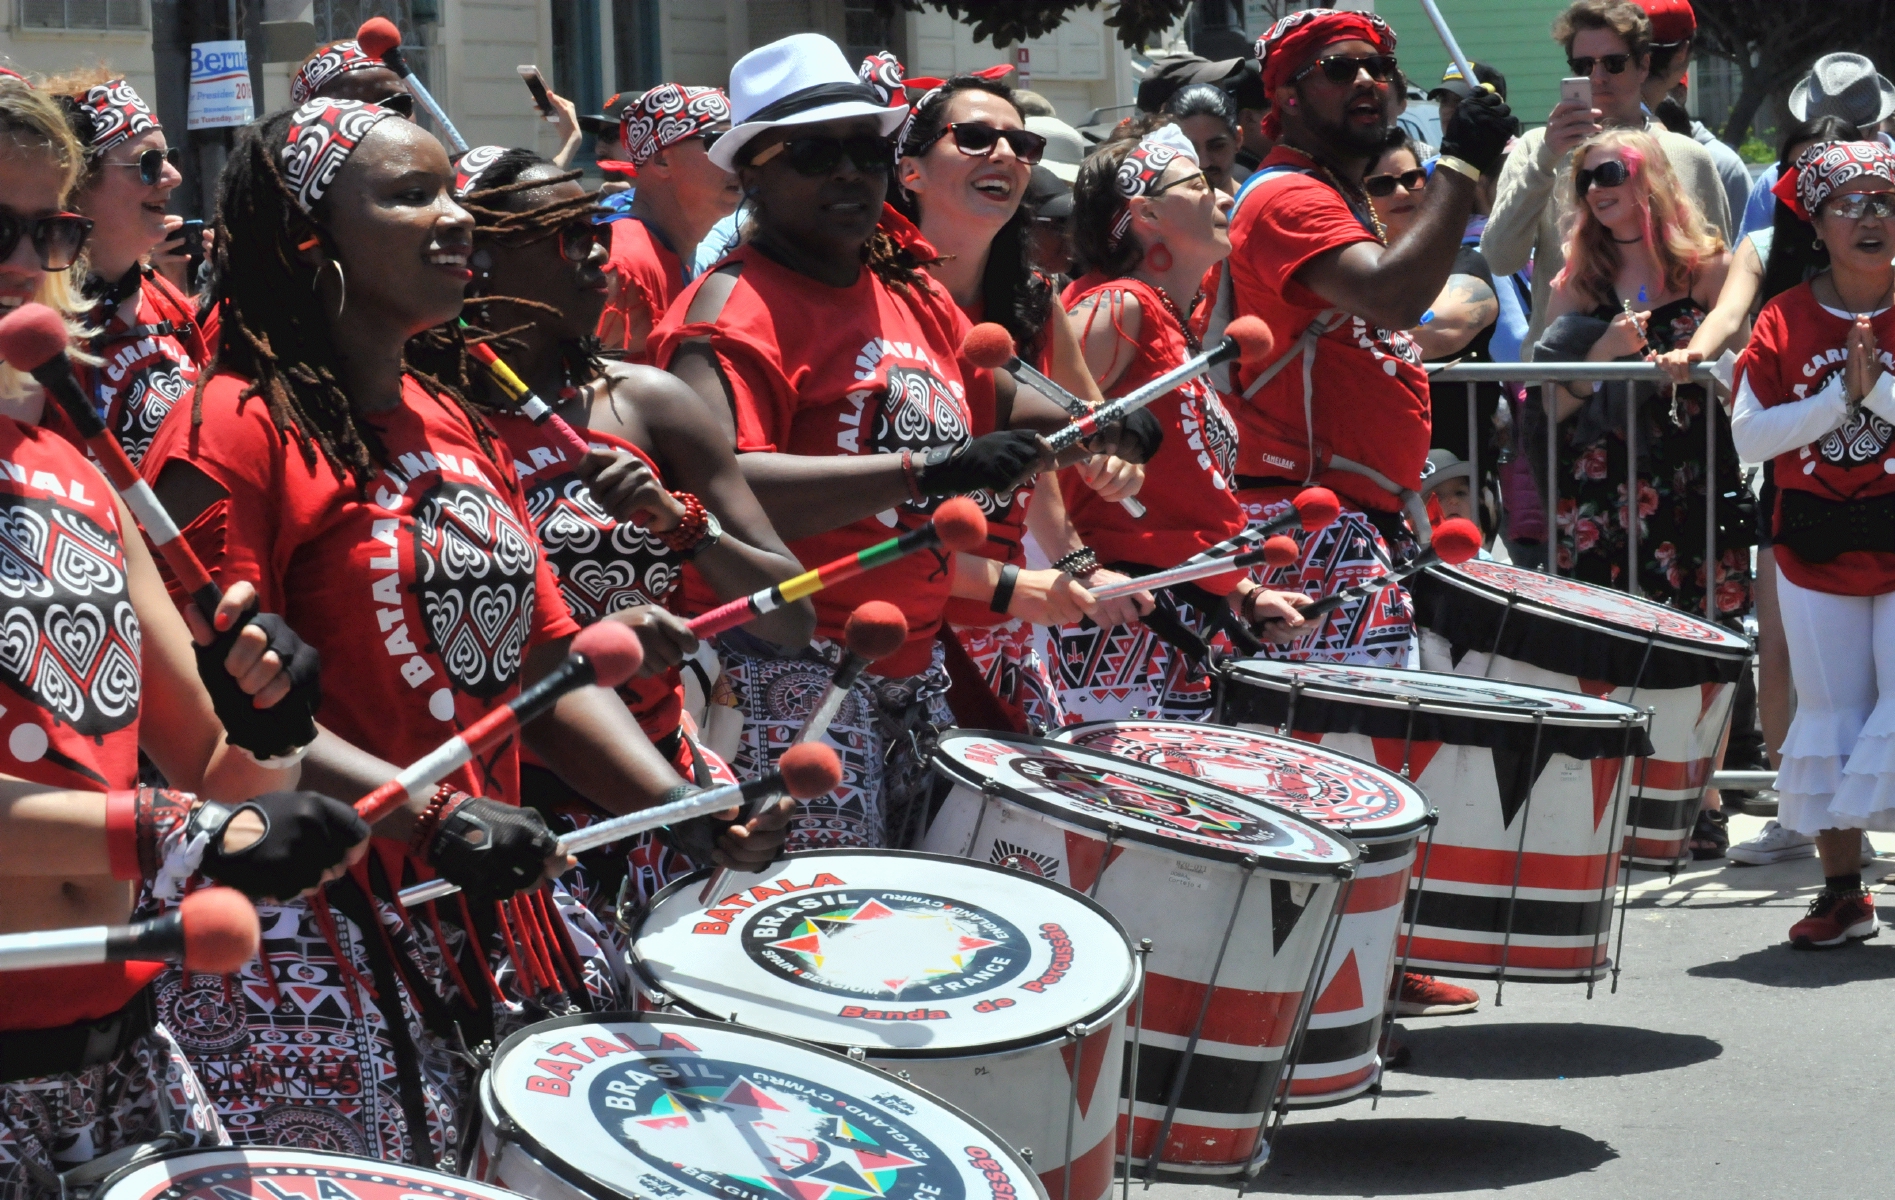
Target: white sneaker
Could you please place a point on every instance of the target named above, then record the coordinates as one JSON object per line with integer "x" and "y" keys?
{"x": 1774, "y": 844}
{"x": 1868, "y": 851}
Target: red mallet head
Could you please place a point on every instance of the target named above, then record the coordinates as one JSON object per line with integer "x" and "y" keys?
{"x": 809, "y": 770}
{"x": 987, "y": 345}
{"x": 1456, "y": 540}
{"x": 614, "y": 651}
{"x": 31, "y": 336}
{"x": 220, "y": 930}
{"x": 1254, "y": 341}
{"x": 377, "y": 37}
{"x": 1316, "y": 508}
{"x": 876, "y": 629}
{"x": 960, "y": 524}
{"x": 1280, "y": 551}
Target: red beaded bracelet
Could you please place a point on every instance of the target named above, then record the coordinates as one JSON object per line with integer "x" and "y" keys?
{"x": 444, "y": 800}
{"x": 690, "y": 528}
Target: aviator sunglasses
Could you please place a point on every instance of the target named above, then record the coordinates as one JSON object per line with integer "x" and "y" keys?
{"x": 1610, "y": 173}
{"x": 977, "y": 140}
{"x": 817, "y": 155}
{"x": 150, "y": 165}
{"x": 1858, "y": 205}
{"x": 58, "y": 238}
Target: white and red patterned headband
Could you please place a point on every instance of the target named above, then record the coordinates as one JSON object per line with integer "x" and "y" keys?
{"x": 1827, "y": 167}
{"x": 322, "y": 135}
{"x": 1144, "y": 166}
{"x": 335, "y": 60}
{"x": 471, "y": 166}
{"x": 117, "y": 113}
{"x": 668, "y": 114}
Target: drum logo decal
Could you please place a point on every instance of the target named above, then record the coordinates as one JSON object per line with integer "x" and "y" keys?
{"x": 885, "y": 944}
{"x": 1019, "y": 858}
{"x": 742, "y": 1132}
{"x": 1199, "y": 817}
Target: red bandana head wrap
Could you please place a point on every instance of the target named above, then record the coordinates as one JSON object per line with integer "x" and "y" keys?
{"x": 883, "y": 72}
{"x": 1826, "y": 168}
{"x": 1283, "y": 47}
{"x": 333, "y": 61}
{"x": 322, "y": 135}
{"x": 117, "y": 114}
{"x": 668, "y": 114}
{"x": 471, "y": 165}
{"x": 1144, "y": 166}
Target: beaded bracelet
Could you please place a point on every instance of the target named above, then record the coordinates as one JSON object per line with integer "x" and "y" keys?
{"x": 689, "y": 530}
{"x": 1080, "y": 564}
{"x": 431, "y": 817}
{"x": 912, "y": 476}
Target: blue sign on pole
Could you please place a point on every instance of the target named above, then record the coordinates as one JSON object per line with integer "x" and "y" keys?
{"x": 220, "y": 85}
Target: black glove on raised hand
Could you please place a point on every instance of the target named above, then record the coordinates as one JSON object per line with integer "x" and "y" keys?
{"x": 305, "y": 834}
{"x": 994, "y": 461}
{"x": 491, "y": 850}
{"x": 1479, "y": 131}
{"x": 290, "y": 723}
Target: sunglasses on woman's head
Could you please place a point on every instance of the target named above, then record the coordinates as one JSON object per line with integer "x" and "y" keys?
{"x": 977, "y": 140}
{"x": 58, "y": 238}
{"x": 1858, "y": 205}
{"x": 1384, "y": 185}
{"x": 1614, "y": 64}
{"x": 817, "y": 155}
{"x": 1343, "y": 68}
{"x": 1610, "y": 173}
{"x": 150, "y": 165}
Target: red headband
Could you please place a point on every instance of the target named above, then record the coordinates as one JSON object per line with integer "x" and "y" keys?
{"x": 335, "y": 60}
{"x": 668, "y": 114}
{"x": 1143, "y": 166}
{"x": 1283, "y": 47}
{"x": 471, "y": 165}
{"x": 1825, "y": 168}
{"x": 322, "y": 135}
{"x": 117, "y": 114}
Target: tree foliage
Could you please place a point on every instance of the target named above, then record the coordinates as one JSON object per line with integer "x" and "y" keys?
{"x": 1773, "y": 43}
{"x": 1004, "y": 22}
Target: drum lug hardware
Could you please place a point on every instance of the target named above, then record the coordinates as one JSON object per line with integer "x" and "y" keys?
{"x": 990, "y": 787}
{"x": 857, "y": 1054}
{"x": 903, "y": 1076}
{"x": 1026, "y": 1152}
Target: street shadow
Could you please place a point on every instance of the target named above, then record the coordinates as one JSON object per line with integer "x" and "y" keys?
{"x": 1781, "y": 966}
{"x": 1400, "y": 1156}
{"x": 1550, "y": 1050}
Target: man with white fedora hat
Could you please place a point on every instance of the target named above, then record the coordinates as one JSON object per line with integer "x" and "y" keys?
{"x": 1841, "y": 85}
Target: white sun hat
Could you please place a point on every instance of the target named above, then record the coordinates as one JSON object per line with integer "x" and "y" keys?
{"x": 799, "y": 80}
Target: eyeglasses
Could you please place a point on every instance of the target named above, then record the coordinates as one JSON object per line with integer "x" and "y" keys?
{"x": 1196, "y": 180}
{"x": 814, "y": 156}
{"x": 150, "y": 165}
{"x": 1610, "y": 173}
{"x": 1858, "y": 205}
{"x": 399, "y": 102}
{"x": 1342, "y": 68}
{"x": 1384, "y": 185}
{"x": 976, "y": 140}
{"x": 58, "y": 238}
{"x": 1614, "y": 64}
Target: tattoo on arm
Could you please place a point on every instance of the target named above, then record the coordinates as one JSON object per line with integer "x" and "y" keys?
{"x": 1473, "y": 293}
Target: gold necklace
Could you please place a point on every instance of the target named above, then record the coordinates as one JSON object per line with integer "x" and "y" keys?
{"x": 1335, "y": 181}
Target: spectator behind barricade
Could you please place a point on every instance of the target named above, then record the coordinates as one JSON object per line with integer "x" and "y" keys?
{"x": 1453, "y": 89}
{"x": 1171, "y": 73}
{"x": 1208, "y": 116}
{"x": 1032, "y": 104}
{"x": 1844, "y": 86}
{"x": 1447, "y": 486}
{"x": 1674, "y": 36}
{"x": 1049, "y": 241}
{"x": 1246, "y": 91}
{"x": 1609, "y": 41}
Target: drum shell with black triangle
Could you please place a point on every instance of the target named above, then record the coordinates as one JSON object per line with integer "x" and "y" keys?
{"x": 1257, "y": 924}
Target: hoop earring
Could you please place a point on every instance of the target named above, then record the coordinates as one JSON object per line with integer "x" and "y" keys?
{"x": 1816, "y": 243}
{"x": 342, "y": 283}
{"x": 1158, "y": 258}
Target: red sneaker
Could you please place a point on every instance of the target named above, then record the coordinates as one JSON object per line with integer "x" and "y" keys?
{"x": 1426, "y": 996}
{"x": 1835, "y": 918}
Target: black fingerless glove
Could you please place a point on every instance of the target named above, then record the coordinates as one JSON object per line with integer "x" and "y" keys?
{"x": 1140, "y": 435}
{"x": 290, "y": 723}
{"x": 305, "y": 834}
{"x": 491, "y": 850}
{"x": 1479, "y": 131}
{"x": 994, "y": 461}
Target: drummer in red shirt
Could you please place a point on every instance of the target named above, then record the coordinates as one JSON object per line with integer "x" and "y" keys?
{"x": 1816, "y": 397}
{"x": 1344, "y": 403}
{"x": 666, "y": 136}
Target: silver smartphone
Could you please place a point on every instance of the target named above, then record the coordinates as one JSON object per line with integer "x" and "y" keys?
{"x": 1576, "y": 89}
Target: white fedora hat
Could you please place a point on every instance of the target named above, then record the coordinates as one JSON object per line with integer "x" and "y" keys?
{"x": 799, "y": 80}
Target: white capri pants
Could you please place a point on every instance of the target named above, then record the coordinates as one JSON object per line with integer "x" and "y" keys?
{"x": 1839, "y": 756}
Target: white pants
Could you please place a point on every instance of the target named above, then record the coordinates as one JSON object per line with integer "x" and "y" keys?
{"x": 1839, "y": 756}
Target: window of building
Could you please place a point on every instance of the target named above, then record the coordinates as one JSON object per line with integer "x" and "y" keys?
{"x": 83, "y": 14}
{"x": 635, "y": 50}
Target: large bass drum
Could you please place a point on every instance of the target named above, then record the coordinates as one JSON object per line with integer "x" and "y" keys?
{"x": 1382, "y": 813}
{"x": 1239, "y": 900}
{"x": 631, "y": 1107}
{"x": 273, "y": 1173}
{"x": 1494, "y": 621}
{"x": 998, "y": 992}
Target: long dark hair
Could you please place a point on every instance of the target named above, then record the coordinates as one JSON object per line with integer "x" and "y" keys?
{"x": 1012, "y": 293}
{"x": 1794, "y": 254}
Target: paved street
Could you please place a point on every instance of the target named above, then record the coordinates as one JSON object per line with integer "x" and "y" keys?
{"x": 1722, "y": 1048}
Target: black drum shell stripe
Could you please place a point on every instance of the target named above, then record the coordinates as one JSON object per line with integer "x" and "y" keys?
{"x": 1214, "y": 1084}
{"x": 1488, "y": 914}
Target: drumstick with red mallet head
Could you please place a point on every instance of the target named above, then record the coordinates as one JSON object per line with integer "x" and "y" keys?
{"x": 214, "y": 931}
{"x": 1278, "y": 551}
{"x": 989, "y": 345}
{"x": 805, "y": 771}
{"x": 1455, "y": 540}
{"x": 1246, "y": 338}
{"x": 532, "y": 407}
{"x": 380, "y": 39}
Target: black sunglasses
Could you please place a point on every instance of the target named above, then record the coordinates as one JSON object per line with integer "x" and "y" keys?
{"x": 579, "y": 239}
{"x": 710, "y": 139}
{"x": 1343, "y": 68}
{"x": 818, "y": 155}
{"x": 1384, "y": 185}
{"x": 1614, "y": 64}
{"x": 150, "y": 165}
{"x": 399, "y": 102}
{"x": 58, "y": 238}
{"x": 975, "y": 139}
{"x": 1610, "y": 173}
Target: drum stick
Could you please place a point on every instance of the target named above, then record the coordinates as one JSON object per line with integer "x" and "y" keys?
{"x": 1453, "y": 47}
{"x": 805, "y": 772}
{"x": 1278, "y": 551}
{"x": 989, "y": 345}
{"x": 1249, "y": 339}
{"x": 213, "y": 931}
{"x": 532, "y": 407}
{"x": 1456, "y": 540}
{"x": 606, "y": 653}
{"x": 1314, "y": 508}
{"x": 379, "y": 38}
{"x": 957, "y": 525}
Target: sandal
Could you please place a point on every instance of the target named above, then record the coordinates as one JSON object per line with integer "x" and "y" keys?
{"x": 1711, "y": 835}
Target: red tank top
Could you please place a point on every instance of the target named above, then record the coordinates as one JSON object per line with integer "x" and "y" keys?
{"x": 647, "y": 272}
{"x": 151, "y": 351}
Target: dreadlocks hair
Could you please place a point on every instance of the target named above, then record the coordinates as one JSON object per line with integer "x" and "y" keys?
{"x": 274, "y": 330}
{"x": 1012, "y": 293}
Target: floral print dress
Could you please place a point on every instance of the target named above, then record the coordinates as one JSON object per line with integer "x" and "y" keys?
{"x": 1670, "y": 505}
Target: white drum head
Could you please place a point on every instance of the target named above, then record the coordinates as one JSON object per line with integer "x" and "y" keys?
{"x": 671, "y": 1106}
{"x": 1144, "y": 804}
{"x": 1597, "y": 607}
{"x": 895, "y": 952}
{"x": 269, "y": 1173}
{"x": 1336, "y": 790}
{"x": 1429, "y": 692}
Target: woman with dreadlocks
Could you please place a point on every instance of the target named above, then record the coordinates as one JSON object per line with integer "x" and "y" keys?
{"x": 616, "y": 533}
{"x": 380, "y": 512}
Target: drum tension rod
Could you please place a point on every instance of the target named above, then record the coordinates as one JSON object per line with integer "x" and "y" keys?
{"x": 1131, "y": 1103}
{"x": 1076, "y": 1033}
{"x": 1519, "y": 854}
{"x": 1411, "y": 907}
{"x": 1605, "y": 868}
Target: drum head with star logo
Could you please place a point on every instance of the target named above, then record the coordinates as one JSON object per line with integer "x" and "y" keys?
{"x": 272, "y": 1173}
{"x": 1127, "y": 799}
{"x": 651, "y": 1106}
{"x": 897, "y": 952}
